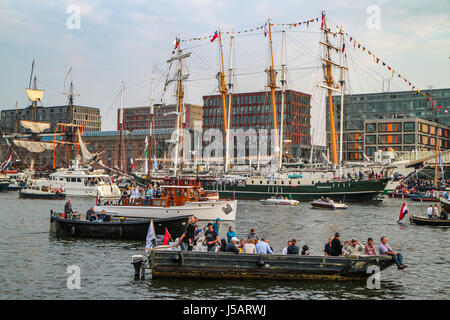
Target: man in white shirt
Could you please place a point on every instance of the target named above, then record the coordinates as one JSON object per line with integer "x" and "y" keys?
{"x": 430, "y": 211}
{"x": 262, "y": 247}
{"x": 284, "y": 251}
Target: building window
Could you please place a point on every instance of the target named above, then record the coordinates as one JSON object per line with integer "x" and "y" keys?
{"x": 409, "y": 138}
{"x": 370, "y": 127}
{"x": 409, "y": 126}
{"x": 371, "y": 139}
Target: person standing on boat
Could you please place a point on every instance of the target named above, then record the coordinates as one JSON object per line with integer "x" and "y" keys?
{"x": 385, "y": 249}
{"x": 293, "y": 249}
{"x": 430, "y": 211}
{"x": 212, "y": 238}
{"x": 354, "y": 248}
{"x": 336, "y": 246}
{"x": 435, "y": 211}
{"x": 252, "y": 235}
{"x": 284, "y": 251}
{"x": 68, "y": 209}
{"x": 216, "y": 225}
{"x": 327, "y": 249}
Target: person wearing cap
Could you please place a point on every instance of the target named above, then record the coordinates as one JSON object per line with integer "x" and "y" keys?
{"x": 336, "y": 246}
{"x": 354, "y": 248}
{"x": 230, "y": 234}
{"x": 262, "y": 247}
{"x": 232, "y": 245}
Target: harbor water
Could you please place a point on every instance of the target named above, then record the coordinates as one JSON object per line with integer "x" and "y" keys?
{"x": 34, "y": 263}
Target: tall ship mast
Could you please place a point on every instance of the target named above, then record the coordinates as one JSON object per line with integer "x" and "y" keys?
{"x": 179, "y": 78}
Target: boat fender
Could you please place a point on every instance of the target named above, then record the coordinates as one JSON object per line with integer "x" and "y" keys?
{"x": 72, "y": 230}
{"x": 260, "y": 262}
{"x": 181, "y": 258}
{"x": 121, "y": 231}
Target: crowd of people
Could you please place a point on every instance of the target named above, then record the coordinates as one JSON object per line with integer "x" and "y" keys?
{"x": 256, "y": 245}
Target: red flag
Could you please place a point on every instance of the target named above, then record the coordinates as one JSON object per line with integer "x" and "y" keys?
{"x": 215, "y": 36}
{"x": 343, "y": 47}
{"x": 166, "y": 237}
{"x": 265, "y": 30}
{"x": 321, "y": 26}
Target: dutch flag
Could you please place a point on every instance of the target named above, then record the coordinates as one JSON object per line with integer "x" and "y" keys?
{"x": 7, "y": 163}
{"x": 403, "y": 212}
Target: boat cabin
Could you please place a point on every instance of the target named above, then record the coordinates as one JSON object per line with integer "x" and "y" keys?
{"x": 170, "y": 196}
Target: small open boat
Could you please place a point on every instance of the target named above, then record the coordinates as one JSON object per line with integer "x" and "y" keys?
{"x": 41, "y": 189}
{"x": 224, "y": 265}
{"x": 280, "y": 201}
{"x": 328, "y": 204}
{"x": 421, "y": 198}
{"x": 133, "y": 229}
{"x": 425, "y": 221}
{"x": 394, "y": 194}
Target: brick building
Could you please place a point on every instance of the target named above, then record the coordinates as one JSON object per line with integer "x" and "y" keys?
{"x": 254, "y": 110}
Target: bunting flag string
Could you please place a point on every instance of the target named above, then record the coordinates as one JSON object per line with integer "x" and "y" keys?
{"x": 254, "y": 29}
{"x": 389, "y": 68}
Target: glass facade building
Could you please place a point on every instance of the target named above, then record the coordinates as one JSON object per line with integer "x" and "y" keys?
{"x": 359, "y": 108}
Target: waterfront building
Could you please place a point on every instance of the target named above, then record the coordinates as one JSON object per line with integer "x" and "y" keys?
{"x": 138, "y": 118}
{"x": 389, "y": 106}
{"x": 89, "y": 117}
{"x": 254, "y": 110}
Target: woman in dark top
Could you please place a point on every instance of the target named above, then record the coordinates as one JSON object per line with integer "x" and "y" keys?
{"x": 293, "y": 249}
{"x": 223, "y": 245}
{"x": 336, "y": 246}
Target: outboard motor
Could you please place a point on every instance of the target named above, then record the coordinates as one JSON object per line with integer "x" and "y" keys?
{"x": 138, "y": 261}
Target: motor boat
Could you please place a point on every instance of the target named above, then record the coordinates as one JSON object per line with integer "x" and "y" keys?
{"x": 280, "y": 201}
{"x": 328, "y": 204}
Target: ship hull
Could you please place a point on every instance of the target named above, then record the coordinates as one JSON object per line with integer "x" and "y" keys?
{"x": 338, "y": 191}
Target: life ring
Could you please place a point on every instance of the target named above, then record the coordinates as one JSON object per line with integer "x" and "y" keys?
{"x": 125, "y": 193}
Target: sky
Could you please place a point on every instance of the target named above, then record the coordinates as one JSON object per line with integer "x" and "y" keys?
{"x": 132, "y": 39}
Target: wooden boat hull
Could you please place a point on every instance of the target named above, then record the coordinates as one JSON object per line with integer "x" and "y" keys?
{"x": 223, "y": 265}
{"x": 132, "y": 230}
{"x": 423, "y": 198}
{"x": 44, "y": 195}
{"x": 4, "y": 185}
{"x": 423, "y": 221}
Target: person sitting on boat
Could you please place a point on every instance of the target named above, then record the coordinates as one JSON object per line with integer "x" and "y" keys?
{"x": 241, "y": 245}
{"x": 252, "y": 235}
{"x": 293, "y": 249}
{"x": 230, "y": 234}
{"x": 223, "y": 245}
{"x": 232, "y": 245}
{"x": 385, "y": 249}
{"x": 284, "y": 251}
{"x": 262, "y": 247}
{"x": 444, "y": 215}
{"x": 336, "y": 245}
{"x": 250, "y": 246}
{"x": 90, "y": 215}
{"x": 435, "y": 211}
{"x": 354, "y": 248}
{"x": 211, "y": 238}
{"x": 101, "y": 216}
{"x": 134, "y": 195}
{"x": 327, "y": 249}
{"x": 369, "y": 248}
{"x": 305, "y": 250}
{"x": 430, "y": 211}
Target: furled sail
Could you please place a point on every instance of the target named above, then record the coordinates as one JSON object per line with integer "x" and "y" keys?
{"x": 87, "y": 156}
{"x": 34, "y": 126}
{"x": 35, "y": 95}
{"x": 33, "y": 146}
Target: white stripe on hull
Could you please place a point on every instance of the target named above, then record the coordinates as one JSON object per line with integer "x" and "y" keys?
{"x": 208, "y": 210}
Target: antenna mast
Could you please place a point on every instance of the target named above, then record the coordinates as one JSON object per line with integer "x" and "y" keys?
{"x": 230, "y": 102}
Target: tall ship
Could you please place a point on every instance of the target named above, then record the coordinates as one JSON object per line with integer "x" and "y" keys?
{"x": 308, "y": 183}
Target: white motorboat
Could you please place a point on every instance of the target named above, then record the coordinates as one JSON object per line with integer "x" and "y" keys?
{"x": 174, "y": 201}
{"x": 42, "y": 189}
{"x": 83, "y": 182}
{"x": 280, "y": 201}
{"x": 328, "y": 204}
